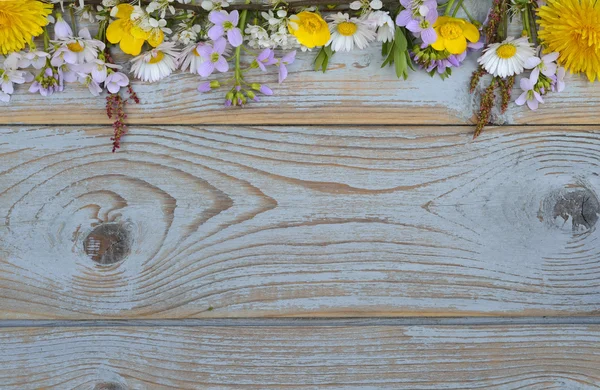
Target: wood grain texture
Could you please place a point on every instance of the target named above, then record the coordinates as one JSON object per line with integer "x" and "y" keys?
{"x": 301, "y": 221}
{"x": 355, "y": 90}
{"x": 415, "y": 357}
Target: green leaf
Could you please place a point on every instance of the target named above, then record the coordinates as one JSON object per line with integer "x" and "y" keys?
{"x": 319, "y": 59}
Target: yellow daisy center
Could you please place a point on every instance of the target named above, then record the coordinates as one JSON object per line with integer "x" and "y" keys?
{"x": 347, "y": 28}
{"x": 506, "y": 51}
{"x": 195, "y": 52}
{"x": 451, "y": 31}
{"x": 75, "y": 47}
{"x": 159, "y": 57}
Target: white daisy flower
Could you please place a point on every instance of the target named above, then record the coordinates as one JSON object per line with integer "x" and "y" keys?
{"x": 76, "y": 50}
{"x": 156, "y": 64}
{"x": 507, "y": 58}
{"x": 347, "y": 32}
{"x": 190, "y": 59}
{"x": 383, "y": 23}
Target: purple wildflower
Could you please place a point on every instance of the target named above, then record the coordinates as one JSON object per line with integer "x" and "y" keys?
{"x": 213, "y": 58}
{"x": 204, "y": 87}
{"x": 266, "y": 57}
{"x": 285, "y": 60}
{"x": 530, "y": 95}
{"x": 418, "y": 17}
{"x": 225, "y": 23}
{"x": 115, "y": 80}
{"x": 46, "y": 83}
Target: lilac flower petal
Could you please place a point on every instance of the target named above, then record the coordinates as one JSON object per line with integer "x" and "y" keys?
{"x": 538, "y": 97}
{"x": 219, "y": 45}
{"x": 205, "y": 51}
{"x": 234, "y": 17}
{"x": 8, "y": 88}
{"x": 289, "y": 57}
{"x": 261, "y": 66}
{"x": 550, "y": 57}
{"x": 533, "y": 104}
{"x": 521, "y": 99}
{"x": 204, "y": 87}
{"x": 264, "y": 55}
{"x": 216, "y": 32}
{"x": 206, "y": 68}
{"x": 265, "y": 90}
{"x": 432, "y": 15}
{"x": 283, "y": 72}
{"x": 535, "y": 75}
{"x": 403, "y": 18}
{"x": 234, "y": 36}
{"x": 414, "y": 26}
{"x": 429, "y": 36}
{"x": 526, "y": 84}
{"x": 218, "y": 17}
{"x": 532, "y": 62}
{"x": 550, "y": 69}
{"x": 453, "y": 60}
{"x": 222, "y": 65}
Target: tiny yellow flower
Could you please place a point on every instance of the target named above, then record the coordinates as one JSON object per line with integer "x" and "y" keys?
{"x": 309, "y": 28}
{"x": 453, "y": 33}
{"x": 20, "y": 21}
{"x": 122, "y": 31}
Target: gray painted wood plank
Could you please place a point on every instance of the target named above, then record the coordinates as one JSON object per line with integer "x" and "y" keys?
{"x": 299, "y": 221}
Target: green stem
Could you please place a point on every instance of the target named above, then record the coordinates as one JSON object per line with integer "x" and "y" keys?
{"x": 238, "y": 50}
{"x": 449, "y": 7}
{"x": 46, "y": 40}
{"x": 466, "y": 11}
{"x": 525, "y": 18}
{"x": 73, "y": 20}
{"x": 458, "y": 6}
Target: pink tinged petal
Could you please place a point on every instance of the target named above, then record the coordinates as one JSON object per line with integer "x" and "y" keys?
{"x": 218, "y": 17}
{"x": 204, "y": 87}
{"x": 550, "y": 69}
{"x": 535, "y": 75}
{"x": 533, "y": 104}
{"x": 8, "y": 87}
{"x": 289, "y": 57}
{"x": 216, "y": 32}
{"x": 550, "y": 57}
{"x": 429, "y": 36}
{"x": 234, "y": 36}
{"x": 526, "y": 84}
{"x": 219, "y": 45}
{"x": 404, "y": 18}
{"x": 283, "y": 73}
{"x": 234, "y": 17}
{"x": 532, "y": 62}
{"x": 206, "y": 68}
{"x": 222, "y": 65}
{"x": 413, "y": 26}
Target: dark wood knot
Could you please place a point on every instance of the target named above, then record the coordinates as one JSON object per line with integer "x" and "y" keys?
{"x": 580, "y": 205}
{"x": 108, "y": 243}
{"x": 109, "y": 386}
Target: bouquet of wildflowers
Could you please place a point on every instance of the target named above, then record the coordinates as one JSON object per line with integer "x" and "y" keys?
{"x": 208, "y": 37}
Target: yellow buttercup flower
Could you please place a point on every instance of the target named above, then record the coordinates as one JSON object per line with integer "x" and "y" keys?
{"x": 20, "y": 21}
{"x": 572, "y": 28}
{"x": 453, "y": 33}
{"x": 309, "y": 28}
{"x": 122, "y": 31}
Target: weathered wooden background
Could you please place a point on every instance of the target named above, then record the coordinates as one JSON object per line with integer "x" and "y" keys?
{"x": 472, "y": 264}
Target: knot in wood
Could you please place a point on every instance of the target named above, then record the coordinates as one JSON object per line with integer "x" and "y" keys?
{"x": 108, "y": 244}
{"x": 579, "y": 205}
{"x": 109, "y": 386}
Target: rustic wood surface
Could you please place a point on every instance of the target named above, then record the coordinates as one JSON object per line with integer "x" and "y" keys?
{"x": 340, "y": 357}
{"x": 299, "y": 221}
{"x": 161, "y": 266}
{"x": 355, "y": 90}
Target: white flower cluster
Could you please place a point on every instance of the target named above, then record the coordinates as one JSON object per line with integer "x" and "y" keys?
{"x": 276, "y": 33}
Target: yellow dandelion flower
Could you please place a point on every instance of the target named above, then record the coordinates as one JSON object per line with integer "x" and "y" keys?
{"x": 572, "y": 28}
{"x": 20, "y": 21}
{"x": 453, "y": 33}
{"x": 309, "y": 28}
{"x": 124, "y": 32}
